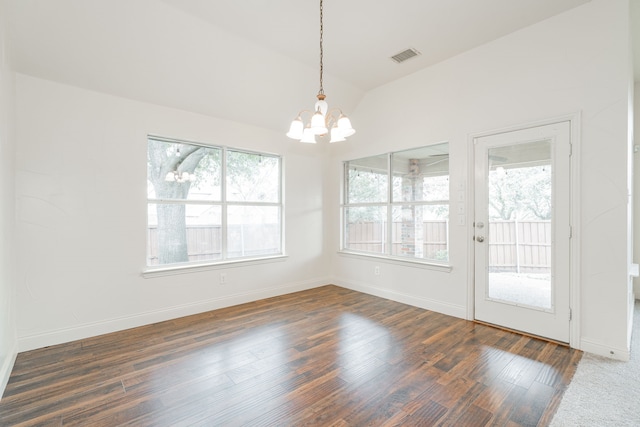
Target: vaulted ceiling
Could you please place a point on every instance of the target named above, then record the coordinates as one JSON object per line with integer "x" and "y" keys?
{"x": 254, "y": 61}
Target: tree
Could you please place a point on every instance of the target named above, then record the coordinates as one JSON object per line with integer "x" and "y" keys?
{"x": 164, "y": 158}
{"x": 523, "y": 192}
{"x": 252, "y": 177}
{"x": 366, "y": 186}
{"x": 249, "y": 178}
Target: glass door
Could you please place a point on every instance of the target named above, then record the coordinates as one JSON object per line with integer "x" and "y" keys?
{"x": 522, "y": 230}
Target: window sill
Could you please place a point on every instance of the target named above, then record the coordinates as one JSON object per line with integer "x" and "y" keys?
{"x": 415, "y": 263}
{"x": 196, "y": 268}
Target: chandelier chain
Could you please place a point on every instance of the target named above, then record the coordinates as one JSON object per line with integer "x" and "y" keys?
{"x": 321, "y": 50}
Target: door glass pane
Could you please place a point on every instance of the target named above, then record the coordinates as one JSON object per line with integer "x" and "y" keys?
{"x": 520, "y": 224}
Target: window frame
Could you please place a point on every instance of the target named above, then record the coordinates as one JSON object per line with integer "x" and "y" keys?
{"x": 390, "y": 204}
{"x": 224, "y": 204}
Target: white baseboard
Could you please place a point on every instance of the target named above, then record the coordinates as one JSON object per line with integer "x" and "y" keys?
{"x": 416, "y": 301}
{"x": 7, "y": 366}
{"x": 31, "y": 342}
{"x": 603, "y": 350}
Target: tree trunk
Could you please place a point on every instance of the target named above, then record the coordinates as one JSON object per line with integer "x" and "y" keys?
{"x": 172, "y": 227}
{"x": 172, "y": 234}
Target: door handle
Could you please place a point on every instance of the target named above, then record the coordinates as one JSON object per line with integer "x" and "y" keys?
{"x": 480, "y": 239}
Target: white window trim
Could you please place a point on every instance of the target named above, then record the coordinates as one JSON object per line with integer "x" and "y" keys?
{"x": 174, "y": 269}
{"x": 390, "y": 259}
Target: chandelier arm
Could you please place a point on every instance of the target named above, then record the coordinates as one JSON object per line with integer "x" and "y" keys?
{"x": 331, "y": 119}
{"x": 302, "y": 113}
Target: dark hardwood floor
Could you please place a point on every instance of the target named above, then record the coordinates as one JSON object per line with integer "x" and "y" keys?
{"x": 324, "y": 357}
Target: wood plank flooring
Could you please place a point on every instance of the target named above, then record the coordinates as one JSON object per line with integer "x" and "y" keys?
{"x": 323, "y": 357}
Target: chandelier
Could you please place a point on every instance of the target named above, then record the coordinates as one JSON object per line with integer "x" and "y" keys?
{"x": 323, "y": 120}
{"x": 175, "y": 176}
{"x": 179, "y": 177}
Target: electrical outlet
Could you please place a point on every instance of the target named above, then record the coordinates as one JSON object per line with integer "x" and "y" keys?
{"x": 376, "y": 270}
{"x": 223, "y": 278}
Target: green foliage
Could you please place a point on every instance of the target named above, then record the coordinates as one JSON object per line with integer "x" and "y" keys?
{"x": 252, "y": 177}
{"x": 366, "y": 186}
{"x": 442, "y": 255}
{"x": 522, "y": 193}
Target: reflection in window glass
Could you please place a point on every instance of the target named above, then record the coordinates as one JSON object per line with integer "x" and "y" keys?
{"x": 182, "y": 171}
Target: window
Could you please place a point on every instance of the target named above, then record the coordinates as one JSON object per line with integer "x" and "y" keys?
{"x": 210, "y": 204}
{"x": 397, "y": 204}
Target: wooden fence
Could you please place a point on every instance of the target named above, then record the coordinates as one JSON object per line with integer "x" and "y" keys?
{"x": 514, "y": 246}
{"x": 371, "y": 237}
{"x": 205, "y": 242}
{"x": 520, "y": 246}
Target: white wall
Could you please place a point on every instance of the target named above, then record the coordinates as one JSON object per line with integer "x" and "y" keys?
{"x": 576, "y": 62}
{"x": 636, "y": 187}
{"x": 81, "y": 215}
{"x": 8, "y": 341}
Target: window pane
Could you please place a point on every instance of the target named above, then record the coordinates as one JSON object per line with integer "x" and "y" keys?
{"x": 180, "y": 233}
{"x": 253, "y": 230}
{"x": 252, "y": 177}
{"x": 365, "y": 229}
{"x": 367, "y": 180}
{"x": 520, "y": 224}
{"x": 421, "y": 232}
{"x": 421, "y": 174}
{"x": 182, "y": 171}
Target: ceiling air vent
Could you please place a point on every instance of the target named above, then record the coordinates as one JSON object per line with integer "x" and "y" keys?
{"x": 404, "y": 55}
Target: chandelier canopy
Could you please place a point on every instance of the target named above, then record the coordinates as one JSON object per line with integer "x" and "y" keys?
{"x": 323, "y": 120}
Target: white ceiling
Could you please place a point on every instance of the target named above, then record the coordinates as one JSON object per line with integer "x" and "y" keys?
{"x": 361, "y": 35}
{"x": 254, "y": 61}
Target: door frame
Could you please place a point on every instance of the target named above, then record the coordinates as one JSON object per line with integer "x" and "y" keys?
{"x": 574, "y": 217}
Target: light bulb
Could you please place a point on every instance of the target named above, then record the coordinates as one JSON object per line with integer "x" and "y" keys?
{"x": 336, "y": 134}
{"x": 344, "y": 124}
{"x": 296, "y": 129}
{"x": 318, "y": 126}
{"x": 308, "y": 136}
